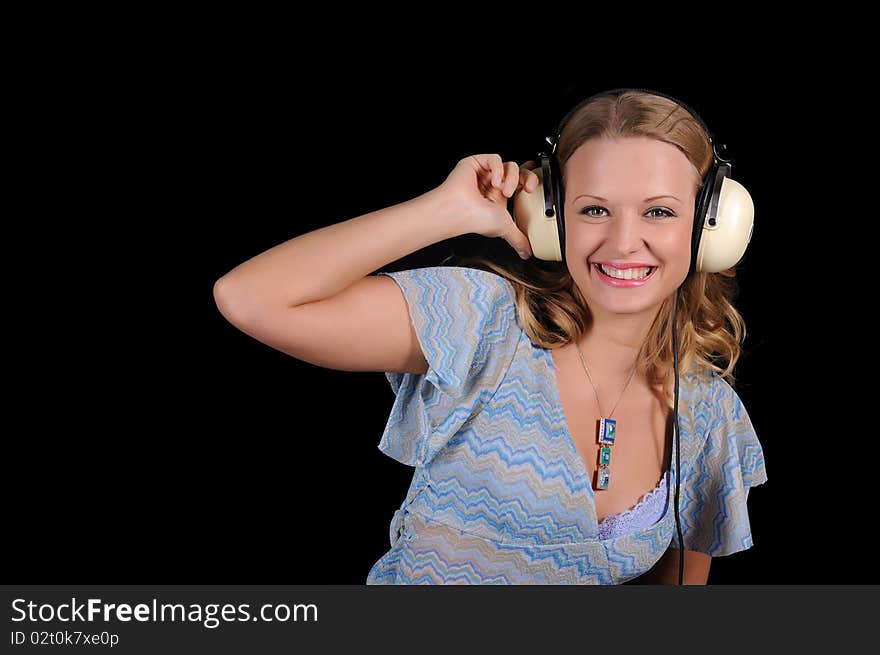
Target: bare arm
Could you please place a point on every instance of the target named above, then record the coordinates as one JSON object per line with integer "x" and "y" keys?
{"x": 319, "y": 264}
{"x": 312, "y": 297}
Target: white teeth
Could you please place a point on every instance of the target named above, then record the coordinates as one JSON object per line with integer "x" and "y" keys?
{"x": 627, "y": 273}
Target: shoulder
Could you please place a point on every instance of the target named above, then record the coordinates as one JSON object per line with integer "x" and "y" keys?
{"x": 460, "y": 302}
{"x": 733, "y": 437}
{"x": 726, "y": 400}
{"x": 457, "y": 280}
{"x": 696, "y": 386}
{"x": 465, "y": 320}
{"x": 710, "y": 386}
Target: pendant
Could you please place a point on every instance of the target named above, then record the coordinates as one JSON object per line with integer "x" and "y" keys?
{"x": 607, "y": 430}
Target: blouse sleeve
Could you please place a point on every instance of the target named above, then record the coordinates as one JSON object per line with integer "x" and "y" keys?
{"x": 712, "y": 501}
{"x": 465, "y": 321}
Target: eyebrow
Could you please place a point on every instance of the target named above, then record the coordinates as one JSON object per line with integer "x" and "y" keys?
{"x": 606, "y": 199}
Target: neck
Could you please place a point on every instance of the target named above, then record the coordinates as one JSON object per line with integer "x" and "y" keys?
{"x": 610, "y": 348}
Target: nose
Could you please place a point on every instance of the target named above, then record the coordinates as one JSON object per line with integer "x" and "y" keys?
{"x": 625, "y": 233}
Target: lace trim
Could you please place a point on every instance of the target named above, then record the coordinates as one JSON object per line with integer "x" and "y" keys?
{"x": 644, "y": 499}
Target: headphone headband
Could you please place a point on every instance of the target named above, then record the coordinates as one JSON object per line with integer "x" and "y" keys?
{"x": 554, "y": 140}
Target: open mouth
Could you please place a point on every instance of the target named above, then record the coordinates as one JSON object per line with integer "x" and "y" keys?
{"x": 624, "y": 282}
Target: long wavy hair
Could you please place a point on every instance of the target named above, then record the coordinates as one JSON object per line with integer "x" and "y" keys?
{"x": 549, "y": 304}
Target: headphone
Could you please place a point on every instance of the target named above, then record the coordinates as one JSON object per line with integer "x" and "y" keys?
{"x": 723, "y": 225}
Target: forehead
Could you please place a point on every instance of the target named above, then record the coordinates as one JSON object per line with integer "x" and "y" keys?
{"x": 635, "y": 167}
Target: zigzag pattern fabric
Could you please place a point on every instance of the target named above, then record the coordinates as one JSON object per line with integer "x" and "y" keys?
{"x": 500, "y": 494}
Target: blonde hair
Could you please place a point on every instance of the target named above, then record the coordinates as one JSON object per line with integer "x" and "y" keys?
{"x": 549, "y": 304}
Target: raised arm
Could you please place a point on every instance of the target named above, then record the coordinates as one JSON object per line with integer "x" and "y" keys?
{"x": 312, "y": 297}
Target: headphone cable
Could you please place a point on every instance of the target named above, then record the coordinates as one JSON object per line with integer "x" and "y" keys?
{"x": 677, "y": 440}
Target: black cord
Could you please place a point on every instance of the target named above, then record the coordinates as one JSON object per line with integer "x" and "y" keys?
{"x": 677, "y": 441}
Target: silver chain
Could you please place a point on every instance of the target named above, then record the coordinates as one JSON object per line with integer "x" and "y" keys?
{"x": 594, "y": 386}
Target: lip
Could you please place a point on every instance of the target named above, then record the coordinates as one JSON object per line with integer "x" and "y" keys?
{"x": 614, "y": 282}
{"x": 625, "y": 265}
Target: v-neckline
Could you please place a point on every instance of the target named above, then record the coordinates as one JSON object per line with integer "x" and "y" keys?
{"x": 583, "y": 471}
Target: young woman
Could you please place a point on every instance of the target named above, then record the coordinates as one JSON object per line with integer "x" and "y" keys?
{"x": 501, "y": 372}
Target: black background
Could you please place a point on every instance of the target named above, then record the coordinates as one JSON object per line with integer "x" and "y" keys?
{"x": 154, "y": 442}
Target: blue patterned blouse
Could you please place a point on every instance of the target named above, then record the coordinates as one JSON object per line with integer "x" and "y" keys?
{"x": 500, "y": 494}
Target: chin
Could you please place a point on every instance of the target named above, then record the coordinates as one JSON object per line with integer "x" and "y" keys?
{"x": 639, "y": 307}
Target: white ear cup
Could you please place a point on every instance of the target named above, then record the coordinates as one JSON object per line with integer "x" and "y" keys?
{"x": 722, "y": 245}
{"x": 528, "y": 213}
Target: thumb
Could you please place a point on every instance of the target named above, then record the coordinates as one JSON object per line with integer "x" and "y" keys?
{"x": 518, "y": 241}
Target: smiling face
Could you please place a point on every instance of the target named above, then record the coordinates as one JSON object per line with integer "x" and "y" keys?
{"x": 629, "y": 224}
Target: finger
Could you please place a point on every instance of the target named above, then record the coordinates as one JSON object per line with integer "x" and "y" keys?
{"x": 497, "y": 165}
{"x": 533, "y": 182}
{"x": 489, "y": 172}
{"x": 530, "y": 180}
{"x": 511, "y": 178}
{"x": 518, "y": 241}
{"x": 527, "y": 180}
{"x": 521, "y": 180}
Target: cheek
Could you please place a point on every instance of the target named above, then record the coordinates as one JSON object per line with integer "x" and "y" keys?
{"x": 680, "y": 252}
{"x": 674, "y": 247}
{"x": 581, "y": 240}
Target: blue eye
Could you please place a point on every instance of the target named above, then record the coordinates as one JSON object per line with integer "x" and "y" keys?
{"x": 666, "y": 212}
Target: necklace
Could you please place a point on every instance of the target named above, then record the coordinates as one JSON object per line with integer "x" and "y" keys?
{"x": 607, "y": 430}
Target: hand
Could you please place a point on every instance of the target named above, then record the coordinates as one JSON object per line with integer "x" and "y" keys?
{"x": 484, "y": 183}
